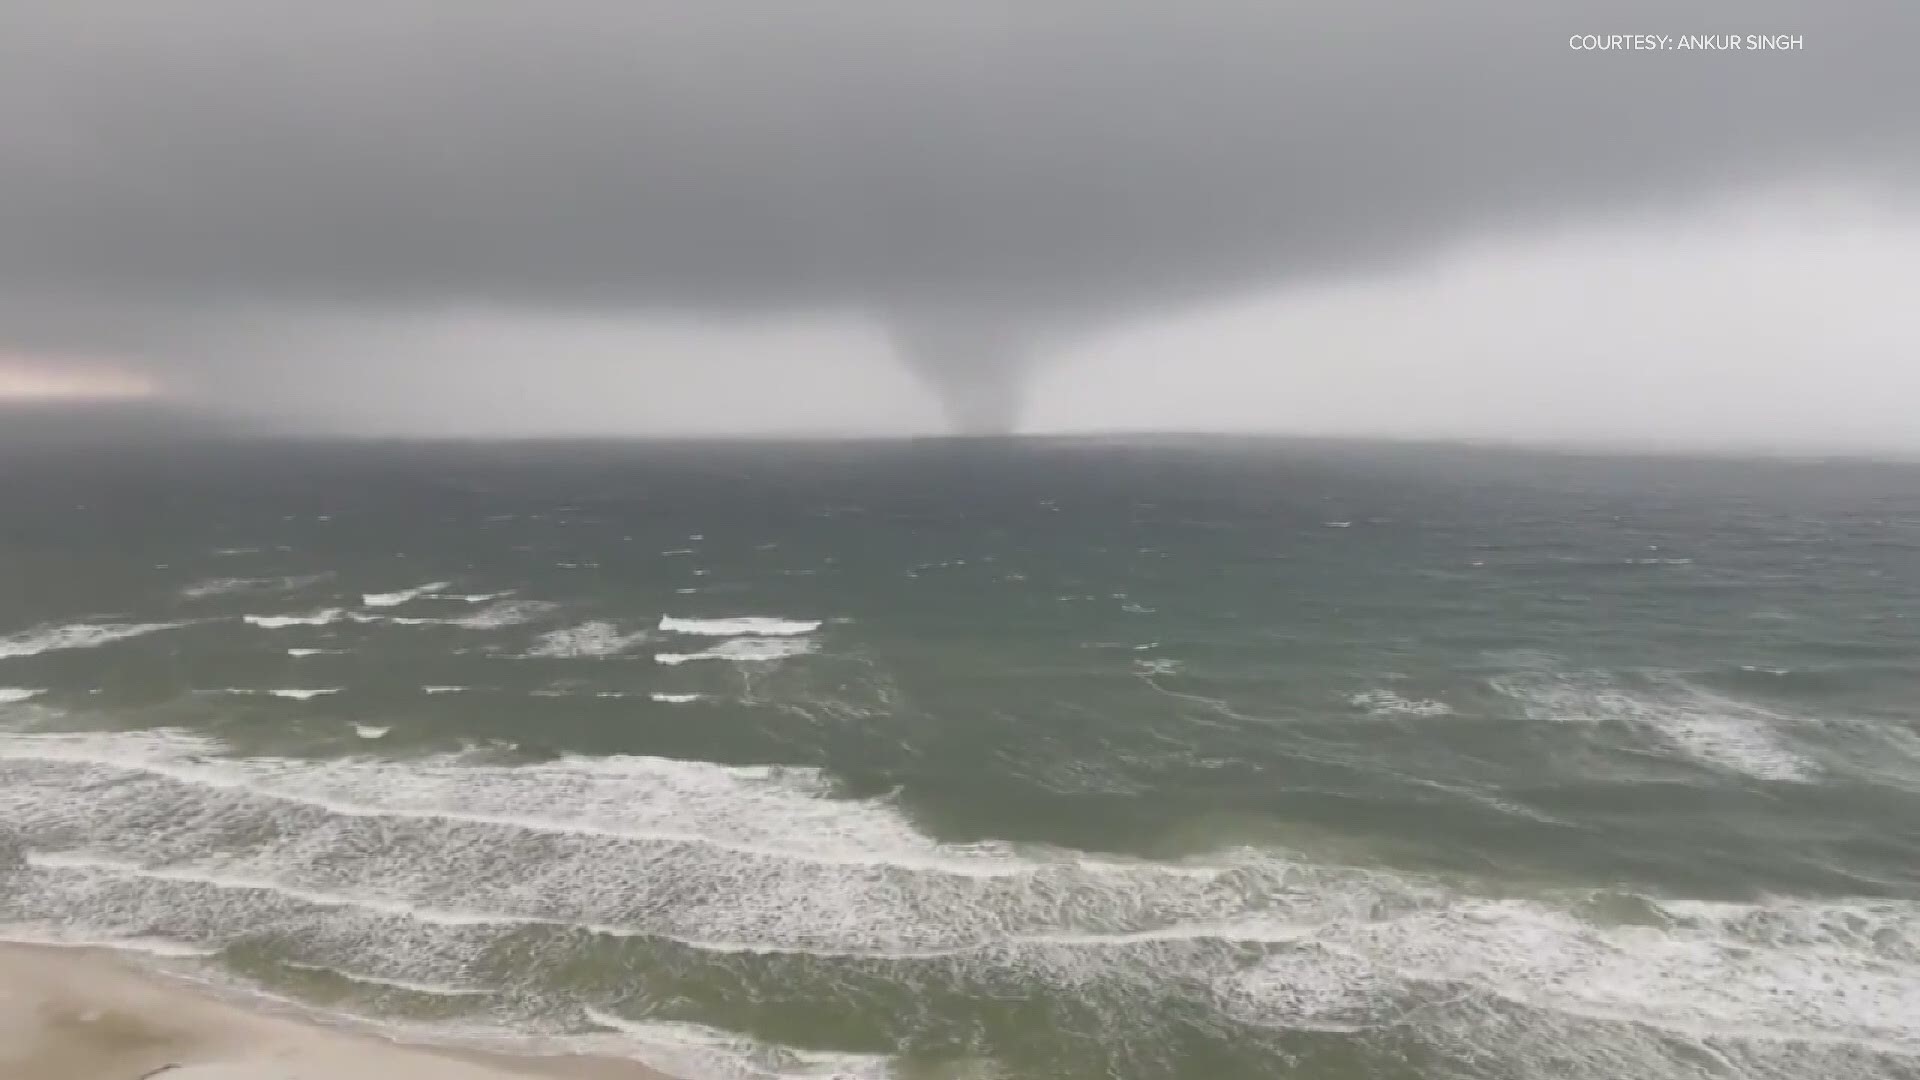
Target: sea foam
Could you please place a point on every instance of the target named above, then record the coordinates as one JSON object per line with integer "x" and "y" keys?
{"x": 588, "y": 640}
{"x": 1389, "y": 703}
{"x": 656, "y": 850}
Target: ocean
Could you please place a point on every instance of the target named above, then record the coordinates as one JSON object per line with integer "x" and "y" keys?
{"x": 1185, "y": 758}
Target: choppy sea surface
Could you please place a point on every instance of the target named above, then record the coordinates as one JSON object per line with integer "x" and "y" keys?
{"x": 1176, "y": 758}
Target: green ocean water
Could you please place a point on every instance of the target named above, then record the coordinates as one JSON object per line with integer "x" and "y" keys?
{"x": 1169, "y": 758}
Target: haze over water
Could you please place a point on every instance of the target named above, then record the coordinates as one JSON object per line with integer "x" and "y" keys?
{"x": 1169, "y": 758}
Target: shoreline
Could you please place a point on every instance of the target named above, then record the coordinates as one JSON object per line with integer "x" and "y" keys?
{"x": 84, "y": 1013}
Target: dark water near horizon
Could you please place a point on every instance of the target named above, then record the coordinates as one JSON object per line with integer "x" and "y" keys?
{"x": 1189, "y": 758}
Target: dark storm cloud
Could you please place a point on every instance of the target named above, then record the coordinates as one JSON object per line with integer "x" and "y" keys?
{"x": 967, "y": 172}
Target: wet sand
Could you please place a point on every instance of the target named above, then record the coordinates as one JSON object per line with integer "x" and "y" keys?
{"x": 85, "y": 1014}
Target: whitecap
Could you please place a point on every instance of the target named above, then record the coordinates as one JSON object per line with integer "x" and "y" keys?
{"x": 511, "y": 613}
{"x": 313, "y": 652}
{"x": 290, "y": 693}
{"x": 674, "y": 699}
{"x": 1713, "y": 730}
{"x": 371, "y": 731}
{"x": 201, "y": 590}
{"x": 11, "y": 695}
{"x": 276, "y": 622}
{"x": 43, "y": 639}
{"x": 765, "y": 625}
{"x": 395, "y": 599}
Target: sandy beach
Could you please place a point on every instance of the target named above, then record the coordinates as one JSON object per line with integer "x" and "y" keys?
{"x": 84, "y": 1014}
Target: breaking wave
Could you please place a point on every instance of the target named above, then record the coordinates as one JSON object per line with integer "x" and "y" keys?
{"x": 395, "y": 599}
{"x": 1712, "y": 730}
{"x": 746, "y": 624}
{"x": 744, "y": 651}
{"x": 1388, "y": 703}
{"x": 592, "y": 639}
{"x": 43, "y": 639}
{"x": 315, "y": 618}
{"x": 212, "y": 587}
{"x": 769, "y": 875}
{"x": 291, "y": 693}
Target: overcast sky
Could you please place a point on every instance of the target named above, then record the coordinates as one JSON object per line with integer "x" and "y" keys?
{"x": 572, "y": 217}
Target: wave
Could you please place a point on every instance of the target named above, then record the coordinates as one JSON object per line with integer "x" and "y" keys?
{"x": 42, "y": 639}
{"x": 499, "y": 615}
{"x": 277, "y": 622}
{"x": 781, "y": 811}
{"x": 123, "y": 869}
{"x": 685, "y": 1049}
{"x": 744, "y": 651}
{"x": 65, "y": 936}
{"x": 409, "y": 986}
{"x": 212, "y": 587}
{"x": 1712, "y": 730}
{"x": 507, "y": 613}
{"x": 297, "y": 653}
{"x": 1388, "y": 703}
{"x": 371, "y": 731}
{"x": 445, "y": 689}
{"x": 290, "y": 693}
{"x": 674, "y": 699}
{"x": 713, "y": 861}
{"x": 510, "y": 613}
{"x": 471, "y": 598}
{"x": 745, "y": 624}
{"x": 395, "y": 599}
{"x": 13, "y": 695}
{"x": 588, "y": 640}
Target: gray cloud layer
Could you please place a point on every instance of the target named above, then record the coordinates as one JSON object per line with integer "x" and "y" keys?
{"x": 968, "y": 173}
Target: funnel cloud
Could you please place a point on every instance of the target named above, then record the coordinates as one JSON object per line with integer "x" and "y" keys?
{"x": 211, "y": 189}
